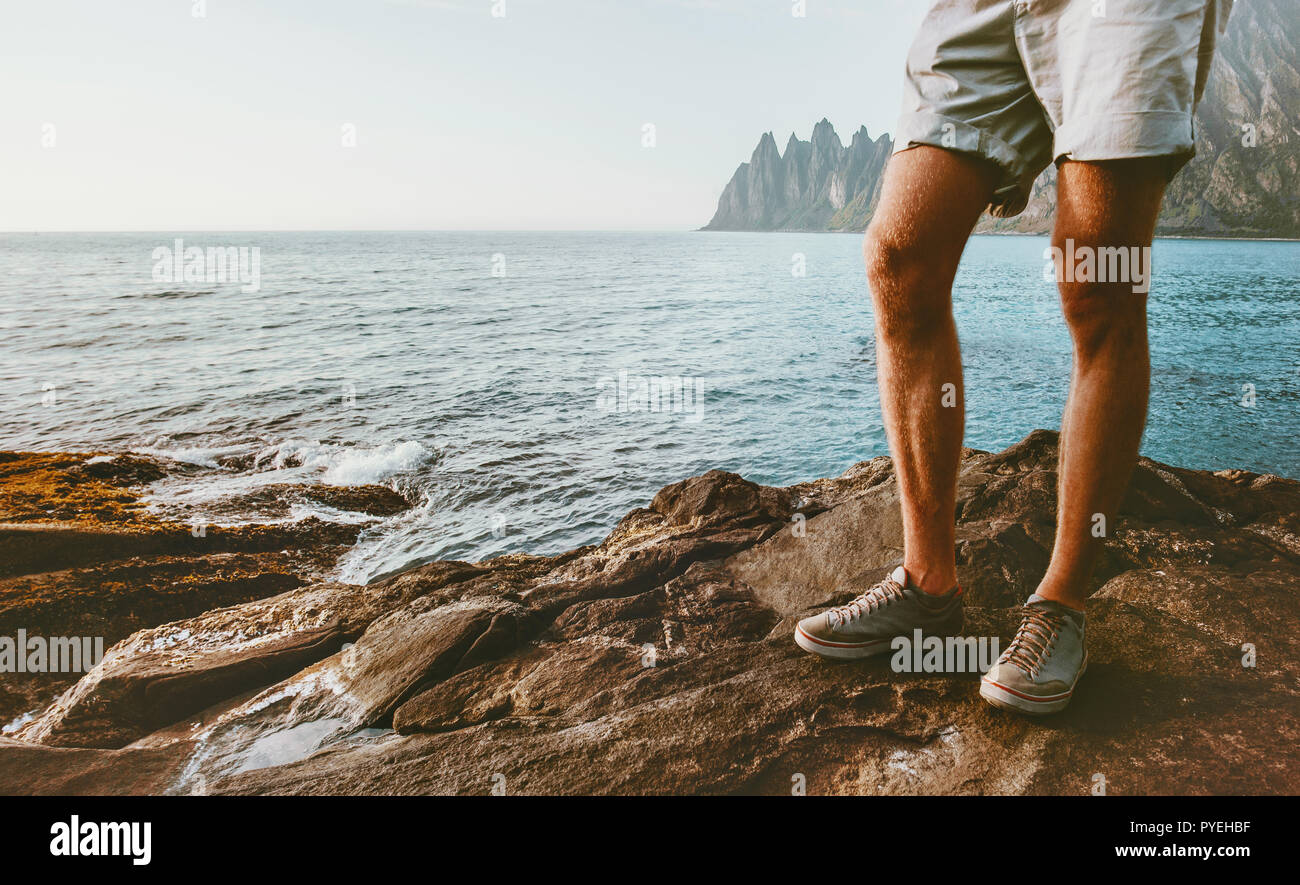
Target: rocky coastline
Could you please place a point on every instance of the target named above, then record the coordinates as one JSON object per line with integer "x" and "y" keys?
{"x": 658, "y": 661}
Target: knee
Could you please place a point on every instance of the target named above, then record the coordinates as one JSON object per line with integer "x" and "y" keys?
{"x": 892, "y": 261}
{"x": 910, "y": 296}
{"x": 1104, "y": 275}
{"x": 1101, "y": 316}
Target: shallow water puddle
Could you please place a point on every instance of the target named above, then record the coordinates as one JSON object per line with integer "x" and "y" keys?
{"x": 290, "y": 745}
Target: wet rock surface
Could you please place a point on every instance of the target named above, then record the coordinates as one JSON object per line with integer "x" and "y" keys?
{"x": 81, "y": 554}
{"x": 661, "y": 660}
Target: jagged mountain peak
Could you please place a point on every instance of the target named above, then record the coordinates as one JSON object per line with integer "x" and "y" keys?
{"x": 823, "y": 128}
{"x": 804, "y": 187}
{"x": 765, "y": 152}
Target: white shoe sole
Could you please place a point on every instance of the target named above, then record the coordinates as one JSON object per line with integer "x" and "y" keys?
{"x": 1008, "y": 699}
{"x": 841, "y": 651}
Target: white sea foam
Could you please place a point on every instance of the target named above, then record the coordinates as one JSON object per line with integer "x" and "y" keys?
{"x": 342, "y": 465}
{"x": 355, "y": 467}
{"x": 199, "y": 456}
{"x": 387, "y": 545}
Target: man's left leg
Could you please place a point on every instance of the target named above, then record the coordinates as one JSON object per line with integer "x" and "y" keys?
{"x": 1101, "y": 208}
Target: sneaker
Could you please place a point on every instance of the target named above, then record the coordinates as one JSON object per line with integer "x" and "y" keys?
{"x": 1040, "y": 668}
{"x": 868, "y": 624}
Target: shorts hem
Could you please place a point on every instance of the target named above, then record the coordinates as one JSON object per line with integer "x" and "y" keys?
{"x": 1012, "y": 193}
{"x": 1128, "y": 136}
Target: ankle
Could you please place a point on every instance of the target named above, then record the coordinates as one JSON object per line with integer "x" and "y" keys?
{"x": 932, "y": 581}
{"x": 1063, "y": 597}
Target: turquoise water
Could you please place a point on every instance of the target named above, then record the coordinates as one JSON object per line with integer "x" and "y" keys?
{"x": 400, "y": 358}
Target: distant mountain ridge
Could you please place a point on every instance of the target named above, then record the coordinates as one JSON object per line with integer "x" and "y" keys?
{"x": 1244, "y": 181}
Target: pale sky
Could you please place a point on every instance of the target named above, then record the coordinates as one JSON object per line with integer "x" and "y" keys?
{"x": 137, "y": 115}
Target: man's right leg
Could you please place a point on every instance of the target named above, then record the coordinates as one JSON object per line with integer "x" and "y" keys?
{"x": 930, "y": 201}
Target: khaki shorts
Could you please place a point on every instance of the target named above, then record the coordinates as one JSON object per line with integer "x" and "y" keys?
{"x": 1027, "y": 82}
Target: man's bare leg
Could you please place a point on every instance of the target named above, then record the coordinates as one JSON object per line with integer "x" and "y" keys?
{"x": 1100, "y": 205}
{"x": 930, "y": 201}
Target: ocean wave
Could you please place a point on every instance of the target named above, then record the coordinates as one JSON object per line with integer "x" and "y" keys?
{"x": 243, "y": 483}
{"x": 356, "y": 466}
{"x": 199, "y": 456}
{"x": 338, "y": 465}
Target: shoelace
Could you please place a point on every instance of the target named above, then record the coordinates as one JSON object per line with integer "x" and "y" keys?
{"x": 882, "y": 594}
{"x": 1038, "y": 630}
